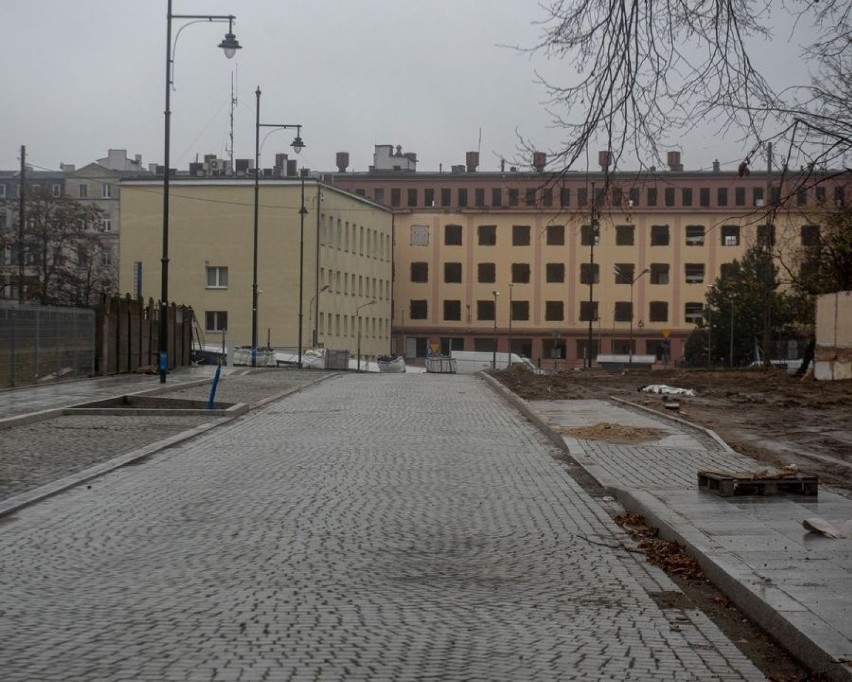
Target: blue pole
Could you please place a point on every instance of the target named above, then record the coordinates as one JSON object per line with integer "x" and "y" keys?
{"x": 213, "y": 387}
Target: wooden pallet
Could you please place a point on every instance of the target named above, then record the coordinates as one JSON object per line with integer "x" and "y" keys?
{"x": 730, "y": 484}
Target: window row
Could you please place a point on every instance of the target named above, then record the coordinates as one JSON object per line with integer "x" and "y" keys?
{"x": 546, "y": 197}
{"x": 554, "y": 311}
{"x": 350, "y": 284}
{"x": 354, "y": 238}
{"x": 554, "y": 273}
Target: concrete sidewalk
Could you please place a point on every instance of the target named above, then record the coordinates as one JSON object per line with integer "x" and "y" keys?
{"x": 796, "y": 585}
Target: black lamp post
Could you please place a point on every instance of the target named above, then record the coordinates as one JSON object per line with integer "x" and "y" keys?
{"x": 510, "y": 324}
{"x": 297, "y": 145}
{"x": 315, "y": 313}
{"x": 358, "y": 316}
{"x": 494, "y": 352}
{"x": 593, "y": 235}
{"x": 633, "y": 281}
{"x": 230, "y": 46}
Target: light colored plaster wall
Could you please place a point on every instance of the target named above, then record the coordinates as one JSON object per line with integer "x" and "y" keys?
{"x": 834, "y": 336}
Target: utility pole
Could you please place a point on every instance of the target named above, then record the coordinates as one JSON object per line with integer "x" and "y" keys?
{"x": 22, "y": 219}
{"x": 593, "y": 229}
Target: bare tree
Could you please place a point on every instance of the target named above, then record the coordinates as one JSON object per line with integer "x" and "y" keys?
{"x": 650, "y": 70}
{"x": 64, "y": 259}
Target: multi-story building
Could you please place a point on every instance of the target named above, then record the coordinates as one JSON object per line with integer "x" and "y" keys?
{"x": 338, "y": 252}
{"x": 517, "y": 259}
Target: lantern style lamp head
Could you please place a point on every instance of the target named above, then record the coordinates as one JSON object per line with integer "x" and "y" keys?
{"x": 229, "y": 43}
{"x": 297, "y": 143}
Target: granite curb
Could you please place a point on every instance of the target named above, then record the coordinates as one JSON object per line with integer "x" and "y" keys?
{"x": 804, "y": 645}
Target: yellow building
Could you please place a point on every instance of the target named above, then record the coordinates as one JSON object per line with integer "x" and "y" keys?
{"x": 338, "y": 252}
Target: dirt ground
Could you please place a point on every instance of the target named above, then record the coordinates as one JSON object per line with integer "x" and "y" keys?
{"x": 762, "y": 413}
{"x": 765, "y": 414}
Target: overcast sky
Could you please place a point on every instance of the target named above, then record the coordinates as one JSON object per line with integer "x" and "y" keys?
{"x": 83, "y": 76}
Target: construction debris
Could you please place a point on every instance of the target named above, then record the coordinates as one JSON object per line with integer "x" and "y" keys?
{"x": 765, "y": 482}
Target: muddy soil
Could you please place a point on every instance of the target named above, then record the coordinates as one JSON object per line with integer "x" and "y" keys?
{"x": 765, "y": 414}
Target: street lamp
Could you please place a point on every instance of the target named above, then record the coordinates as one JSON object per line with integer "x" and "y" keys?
{"x": 633, "y": 281}
{"x": 494, "y": 352}
{"x": 297, "y": 145}
{"x": 358, "y": 316}
{"x": 511, "y": 286}
{"x": 230, "y": 46}
{"x": 311, "y": 308}
{"x": 594, "y": 227}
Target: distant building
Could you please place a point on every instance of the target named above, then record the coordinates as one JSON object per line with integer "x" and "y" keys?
{"x": 664, "y": 236}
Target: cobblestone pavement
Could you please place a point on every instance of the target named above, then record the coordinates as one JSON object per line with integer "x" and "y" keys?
{"x": 36, "y": 453}
{"x": 374, "y": 527}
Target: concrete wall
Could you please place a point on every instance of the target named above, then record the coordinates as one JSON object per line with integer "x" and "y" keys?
{"x": 833, "y": 357}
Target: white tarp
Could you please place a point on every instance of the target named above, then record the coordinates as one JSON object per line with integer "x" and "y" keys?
{"x": 662, "y": 389}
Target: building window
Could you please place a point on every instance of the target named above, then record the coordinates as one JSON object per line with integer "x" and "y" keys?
{"x": 496, "y": 196}
{"x": 555, "y": 272}
{"x": 446, "y": 196}
{"x": 722, "y": 196}
{"x": 766, "y": 236}
{"x": 694, "y": 273}
{"x": 419, "y": 272}
{"x": 106, "y": 191}
{"x": 624, "y": 235}
{"x": 83, "y": 191}
{"x": 801, "y": 197}
{"x": 634, "y": 196}
{"x": 588, "y": 311}
{"x": 520, "y": 235}
{"x": 659, "y": 235}
{"x": 486, "y": 273}
{"x": 554, "y": 311}
{"x": 623, "y": 311}
{"x": 820, "y": 194}
{"x": 547, "y": 197}
{"x": 479, "y": 196}
{"x": 452, "y": 235}
{"x": 411, "y": 197}
{"x": 106, "y": 224}
{"x": 529, "y": 197}
{"x": 582, "y": 196}
{"x": 56, "y": 189}
{"x": 452, "y": 310}
{"x": 216, "y": 320}
{"x": 652, "y": 196}
{"x": 659, "y": 273}
{"x": 730, "y": 235}
{"x": 695, "y": 235}
{"x": 520, "y": 310}
{"x": 217, "y": 277}
{"x": 839, "y": 196}
{"x": 2, "y": 191}
{"x": 565, "y": 196}
{"x": 704, "y": 196}
{"x": 520, "y": 273}
{"x": 487, "y": 235}
{"x": 485, "y": 309}
{"x": 418, "y": 310}
{"x": 513, "y": 197}
{"x": 462, "y": 194}
{"x": 693, "y": 313}
{"x": 616, "y": 196}
{"x": 452, "y": 273}
{"x": 379, "y": 194}
{"x": 623, "y": 273}
{"x": 810, "y": 235}
{"x": 555, "y": 235}
{"x": 586, "y": 272}
{"x": 429, "y": 198}
{"x": 419, "y": 235}
{"x": 669, "y": 196}
{"x": 658, "y": 311}
{"x": 757, "y": 196}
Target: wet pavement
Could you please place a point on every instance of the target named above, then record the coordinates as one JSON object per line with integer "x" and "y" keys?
{"x": 387, "y": 527}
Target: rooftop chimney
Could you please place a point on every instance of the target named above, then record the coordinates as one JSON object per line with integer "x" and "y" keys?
{"x": 472, "y": 161}
{"x": 716, "y": 166}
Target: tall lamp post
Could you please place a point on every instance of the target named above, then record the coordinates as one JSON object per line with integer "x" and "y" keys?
{"x": 510, "y": 323}
{"x": 358, "y": 316}
{"x": 316, "y": 316}
{"x": 297, "y": 145}
{"x": 632, "y": 282}
{"x": 494, "y": 352}
{"x": 593, "y": 230}
{"x": 229, "y": 45}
